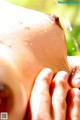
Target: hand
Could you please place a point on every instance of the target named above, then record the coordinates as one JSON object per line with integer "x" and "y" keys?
{"x": 48, "y": 98}
{"x": 74, "y": 63}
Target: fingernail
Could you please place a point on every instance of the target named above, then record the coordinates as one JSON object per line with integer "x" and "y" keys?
{"x": 77, "y": 83}
{"x": 77, "y": 93}
{"x": 48, "y": 74}
{"x": 65, "y": 77}
{"x": 62, "y": 76}
{"x": 74, "y": 78}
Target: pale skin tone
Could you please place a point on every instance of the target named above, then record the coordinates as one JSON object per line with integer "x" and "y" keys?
{"x": 53, "y": 98}
{"x": 20, "y": 59}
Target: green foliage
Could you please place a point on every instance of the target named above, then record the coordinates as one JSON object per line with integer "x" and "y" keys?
{"x": 69, "y": 11}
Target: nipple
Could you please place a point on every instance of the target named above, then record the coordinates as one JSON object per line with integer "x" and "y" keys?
{"x": 6, "y": 98}
{"x": 56, "y": 19}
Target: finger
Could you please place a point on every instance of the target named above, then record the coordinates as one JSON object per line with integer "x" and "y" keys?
{"x": 73, "y": 107}
{"x": 59, "y": 95}
{"x": 75, "y": 77}
{"x": 40, "y": 98}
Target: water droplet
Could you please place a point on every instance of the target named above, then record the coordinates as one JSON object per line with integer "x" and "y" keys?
{"x": 9, "y": 45}
{"x": 21, "y": 22}
{"x": 26, "y": 27}
{"x": 1, "y": 42}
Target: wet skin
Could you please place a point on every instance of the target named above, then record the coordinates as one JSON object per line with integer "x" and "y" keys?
{"x": 23, "y": 54}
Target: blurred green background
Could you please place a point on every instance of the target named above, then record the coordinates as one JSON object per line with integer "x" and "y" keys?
{"x": 69, "y": 17}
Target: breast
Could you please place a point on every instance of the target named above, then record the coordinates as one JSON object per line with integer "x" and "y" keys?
{"x": 29, "y": 42}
